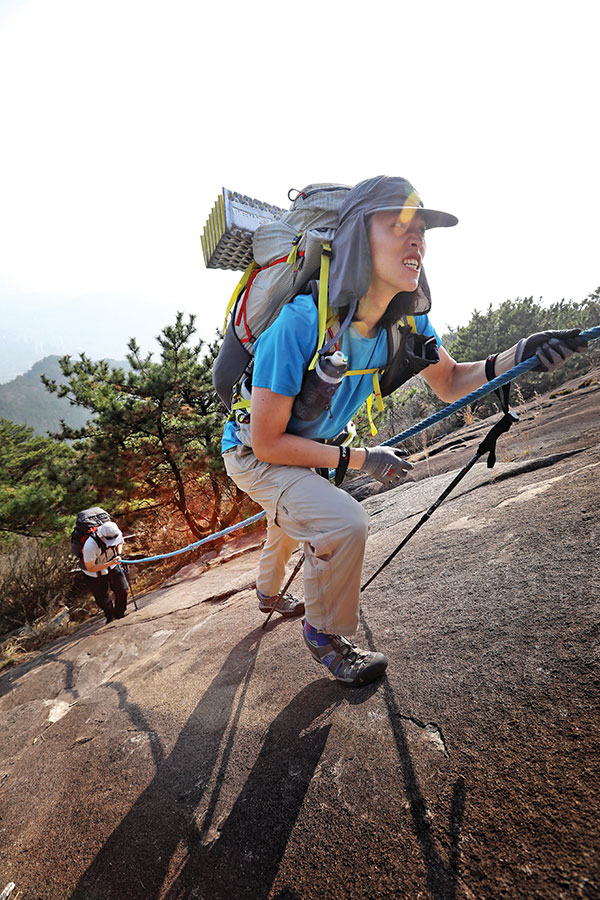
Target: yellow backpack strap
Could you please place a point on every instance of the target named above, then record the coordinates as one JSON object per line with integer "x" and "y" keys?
{"x": 375, "y": 393}
{"x": 360, "y": 372}
{"x": 378, "y": 401}
{"x": 240, "y": 406}
{"x": 293, "y": 254}
{"x": 323, "y": 300}
{"x": 238, "y": 290}
{"x": 376, "y": 387}
{"x": 333, "y": 323}
{"x": 370, "y": 415}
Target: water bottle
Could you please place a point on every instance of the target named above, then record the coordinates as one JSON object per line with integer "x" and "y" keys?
{"x": 319, "y": 386}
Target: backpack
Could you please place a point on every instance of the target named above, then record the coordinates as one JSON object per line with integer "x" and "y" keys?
{"x": 289, "y": 252}
{"x": 87, "y": 523}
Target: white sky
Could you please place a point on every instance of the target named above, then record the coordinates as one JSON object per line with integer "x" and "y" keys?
{"x": 122, "y": 119}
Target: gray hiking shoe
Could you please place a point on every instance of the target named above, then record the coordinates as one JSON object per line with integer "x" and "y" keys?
{"x": 289, "y": 606}
{"x": 346, "y": 662}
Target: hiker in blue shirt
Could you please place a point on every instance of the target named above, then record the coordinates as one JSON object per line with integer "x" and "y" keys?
{"x": 376, "y": 277}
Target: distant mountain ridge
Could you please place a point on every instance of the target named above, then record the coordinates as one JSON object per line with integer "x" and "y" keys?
{"x": 34, "y": 326}
{"x": 25, "y": 399}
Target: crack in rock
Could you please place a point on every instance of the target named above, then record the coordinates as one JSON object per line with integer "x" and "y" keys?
{"x": 542, "y": 463}
{"x": 430, "y": 732}
{"x": 530, "y": 491}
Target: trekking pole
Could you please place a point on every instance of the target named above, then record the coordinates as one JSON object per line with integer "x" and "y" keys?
{"x": 488, "y": 445}
{"x": 121, "y": 568}
{"x": 283, "y": 590}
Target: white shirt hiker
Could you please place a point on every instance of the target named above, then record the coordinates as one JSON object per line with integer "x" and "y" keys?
{"x": 92, "y": 553}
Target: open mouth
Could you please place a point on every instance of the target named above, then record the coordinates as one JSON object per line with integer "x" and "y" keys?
{"x": 412, "y": 263}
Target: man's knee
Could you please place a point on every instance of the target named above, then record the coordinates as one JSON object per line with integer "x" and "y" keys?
{"x": 99, "y": 589}
{"x": 357, "y": 520}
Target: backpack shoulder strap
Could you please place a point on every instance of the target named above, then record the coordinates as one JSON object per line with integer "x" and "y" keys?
{"x": 323, "y": 300}
{"x": 242, "y": 283}
{"x": 94, "y": 534}
{"x": 397, "y": 334}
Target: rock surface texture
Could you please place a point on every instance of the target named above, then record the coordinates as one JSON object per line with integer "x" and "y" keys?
{"x": 187, "y": 753}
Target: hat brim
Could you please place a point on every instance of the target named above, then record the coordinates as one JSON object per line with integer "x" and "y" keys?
{"x": 434, "y": 218}
{"x": 112, "y": 542}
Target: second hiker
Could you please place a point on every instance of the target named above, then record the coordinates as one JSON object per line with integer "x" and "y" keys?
{"x": 101, "y": 558}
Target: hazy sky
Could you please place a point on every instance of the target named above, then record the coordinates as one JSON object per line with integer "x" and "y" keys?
{"x": 122, "y": 119}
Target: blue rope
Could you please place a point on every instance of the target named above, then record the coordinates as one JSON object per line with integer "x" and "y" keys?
{"x": 591, "y": 334}
{"x": 211, "y": 537}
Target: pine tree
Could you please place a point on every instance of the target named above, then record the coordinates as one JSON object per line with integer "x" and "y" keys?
{"x": 154, "y": 437}
{"x": 38, "y": 480}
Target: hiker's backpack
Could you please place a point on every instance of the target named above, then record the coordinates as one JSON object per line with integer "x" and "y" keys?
{"x": 290, "y": 252}
{"x": 287, "y": 254}
{"x": 87, "y": 523}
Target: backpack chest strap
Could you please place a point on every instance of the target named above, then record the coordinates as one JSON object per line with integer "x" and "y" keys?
{"x": 376, "y": 392}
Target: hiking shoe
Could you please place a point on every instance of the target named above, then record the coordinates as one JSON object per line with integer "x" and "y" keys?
{"x": 346, "y": 662}
{"x": 289, "y": 606}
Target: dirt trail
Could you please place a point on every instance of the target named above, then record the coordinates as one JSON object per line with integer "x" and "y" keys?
{"x": 186, "y": 753}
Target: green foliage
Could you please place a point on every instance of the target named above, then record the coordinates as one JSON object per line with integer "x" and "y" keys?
{"x": 36, "y": 477}
{"x": 155, "y": 435}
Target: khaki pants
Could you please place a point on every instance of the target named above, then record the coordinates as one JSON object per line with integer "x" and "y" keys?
{"x": 301, "y": 506}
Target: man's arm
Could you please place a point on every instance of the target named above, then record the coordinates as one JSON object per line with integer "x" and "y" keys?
{"x": 451, "y": 380}
{"x": 269, "y": 416}
{"x": 97, "y": 567}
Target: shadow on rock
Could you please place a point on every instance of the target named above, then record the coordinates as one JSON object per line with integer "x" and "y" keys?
{"x": 136, "y": 860}
{"x": 245, "y": 856}
{"x": 441, "y": 876}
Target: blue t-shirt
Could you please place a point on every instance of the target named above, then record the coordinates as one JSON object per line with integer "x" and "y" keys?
{"x": 284, "y": 351}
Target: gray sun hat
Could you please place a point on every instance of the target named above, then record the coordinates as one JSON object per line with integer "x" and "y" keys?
{"x": 350, "y": 271}
{"x": 110, "y": 534}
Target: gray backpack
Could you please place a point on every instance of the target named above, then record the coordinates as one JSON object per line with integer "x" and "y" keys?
{"x": 287, "y": 252}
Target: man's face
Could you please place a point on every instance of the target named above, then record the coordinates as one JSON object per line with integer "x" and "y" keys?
{"x": 397, "y": 241}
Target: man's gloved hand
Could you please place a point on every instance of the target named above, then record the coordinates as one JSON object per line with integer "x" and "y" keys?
{"x": 386, "y": 464}
{"x": 552, "y": 348}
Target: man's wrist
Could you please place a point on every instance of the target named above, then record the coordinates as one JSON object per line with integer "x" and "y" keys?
{"x": 358, "y": 456}
{"x": 505, "y": 361}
